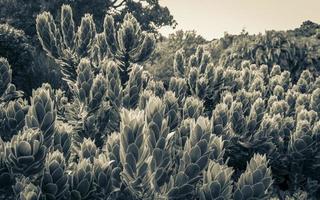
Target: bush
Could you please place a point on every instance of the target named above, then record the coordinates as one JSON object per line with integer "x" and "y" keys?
{"x": 244, "y": 132}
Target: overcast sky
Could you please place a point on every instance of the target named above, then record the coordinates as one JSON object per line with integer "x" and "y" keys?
{"x": 211, "y": 18}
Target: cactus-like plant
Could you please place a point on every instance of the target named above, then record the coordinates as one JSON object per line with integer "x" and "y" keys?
{"x": 102, "y": 176}
{"x": 42, "y": 113}
{"x": 133, "y": 88}
{"x": 255, "y": 182}
{"x": 63, "y": 44}
{"x": 156, "y": 126}
{"x": 24, "y": 189}
{"x": 193, "y": 108}
{"x": 88, "y": 150}
{"x": 27, "y": 153}
{"x": 81, "y": 181}
{"x": 179, "y": 87}
{"x": 129, "y": 44}
{"x": 194, "y": 159}
{"x": 12, "y": 118}
{"x": 171, "y": 110}
{"x": 62, "y": 140}
{"x": 217, "y": 182}
{"x": 133, "y": 152}
{"x": 54, "y": 181}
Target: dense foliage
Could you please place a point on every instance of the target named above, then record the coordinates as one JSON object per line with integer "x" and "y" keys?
{"x": 227, "y": 128}
{"x": 21, "y": 14}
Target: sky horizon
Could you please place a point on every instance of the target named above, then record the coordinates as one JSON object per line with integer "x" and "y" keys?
{"x": 211, "y": 18}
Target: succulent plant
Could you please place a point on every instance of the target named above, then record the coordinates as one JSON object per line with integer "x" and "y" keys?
{"x": 179, "y": 87}
{"x": 193, "y": 108}
{"x": 156, "y": 130}
{"x": 129, "y": 44}
{"x": 24, "y": 189}
{"x": 133, "y": 152}
{"x": 62, "y": 140}
{"x": 81, "y": 181}
{"x": 54, "y": 181}
{"x": 255, "y": 182}
{"x": 217, "y": 182}
{"x": 42, "y": 114}
{"x": 27, "y": 153}
{"x": 102, "y": 176}
{"x": 88, "y": 150}
{"x": 194, "y": 159}
{"x": 13, "y": 118}
{"x": 133, "y": 88}
{"x": 171, "y": 110}
{"x": 84, "y": 80}
{"x": 179, "y": 64}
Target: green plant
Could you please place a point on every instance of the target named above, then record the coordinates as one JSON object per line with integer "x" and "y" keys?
{"x": 129, "y": 44}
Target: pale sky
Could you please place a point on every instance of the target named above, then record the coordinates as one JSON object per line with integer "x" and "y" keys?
{"x": 211, "y": 18}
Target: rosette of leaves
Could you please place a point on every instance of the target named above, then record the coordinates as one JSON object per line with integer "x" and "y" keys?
{"x": 256, "y": 181}
{"x": 236, "y": 116}
{"x": 194, "y": 159}
{"x": 66, "y": 45}
{"x": 84, "y": 81}
{"x": 112, "y": 150}
{"x": 42, "y": 114}
{"x": 172, "y": 110}
{"x": 219, "y": 119}
{"x": 103, "y": 176}
{"x": 134, "y": 152}
{"x": 7, "y": 89}
{"x": 179, "y": 87}
{"x": 302, "y": 149}
{"x": 179, "y": 65}
{"x": 144, "y": 97}
{"x": 81, "y": 181}
{"x": 217, "y": 182}
{"x": 256, "y": 115}
{"x": 24, "y": 189}
{"x": 217, "y": 144}
{"x": 113, "y": 93}
{"x": 156, "y": 126}
{"x": 133, "y": 88}
{"x": 156, "y": 132}
{"x": 182, "y": 134}
{"x": 88, "y": 150}
{"x": 214, "y": 77}
{"x": 129, "y": 45}
{"x": 193, "y": 77}
{"x": 12, "y": 118}
{"x": 193, "y": 108}
{"x": 54, "y": 183}
{"x": 62, "y": 140}
{"x": 27, "y": 153}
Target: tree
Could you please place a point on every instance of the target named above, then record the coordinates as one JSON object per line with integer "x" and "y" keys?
{"x": 22, "y": 13}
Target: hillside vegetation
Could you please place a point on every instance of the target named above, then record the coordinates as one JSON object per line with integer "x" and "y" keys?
{"x": 119, "y": 112}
